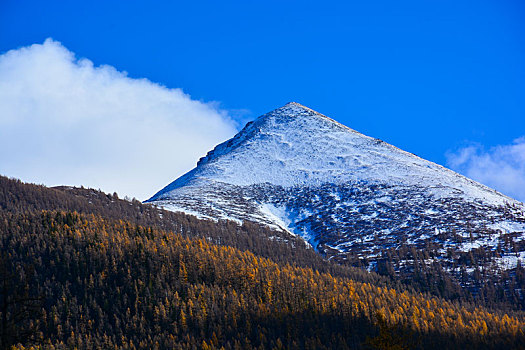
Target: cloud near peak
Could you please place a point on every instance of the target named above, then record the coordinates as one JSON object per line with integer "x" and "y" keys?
{"x": 65, "y": 121}
{"x": 501, "y": 167}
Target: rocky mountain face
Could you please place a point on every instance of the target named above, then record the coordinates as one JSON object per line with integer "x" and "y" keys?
{"x": 354, "y": 198}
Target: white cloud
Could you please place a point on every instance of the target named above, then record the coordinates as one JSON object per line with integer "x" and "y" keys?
{"x": 501, "y": 167}
{"x": 65, "y": 121}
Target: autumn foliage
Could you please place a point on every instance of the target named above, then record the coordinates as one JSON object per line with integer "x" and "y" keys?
{"x": 108, "y": 283}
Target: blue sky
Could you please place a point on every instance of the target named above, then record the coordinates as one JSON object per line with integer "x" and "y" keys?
{"x": 437, "y": 78}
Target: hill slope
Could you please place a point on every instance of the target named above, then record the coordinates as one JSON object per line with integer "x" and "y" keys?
{"x": 84, "y": 278}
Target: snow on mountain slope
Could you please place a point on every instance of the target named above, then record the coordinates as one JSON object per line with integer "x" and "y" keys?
{"x": 344, "y": 192}
{"x": 295, "y": 145}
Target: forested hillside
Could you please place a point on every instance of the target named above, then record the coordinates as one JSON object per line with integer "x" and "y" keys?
{"x": 80, "y": 269}
{"x": 502, "y": 293}
{"x": 18, "y": 197}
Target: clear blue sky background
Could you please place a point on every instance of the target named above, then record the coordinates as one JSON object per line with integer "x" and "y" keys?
{"x": 426, "y": 76}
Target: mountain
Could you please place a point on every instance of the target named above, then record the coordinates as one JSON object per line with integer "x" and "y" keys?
{"x": 353, "y": 198}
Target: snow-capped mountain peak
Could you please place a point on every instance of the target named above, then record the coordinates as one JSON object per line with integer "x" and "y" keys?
{"x": 296, "y": 146}
{"x": 344, "y": 192}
